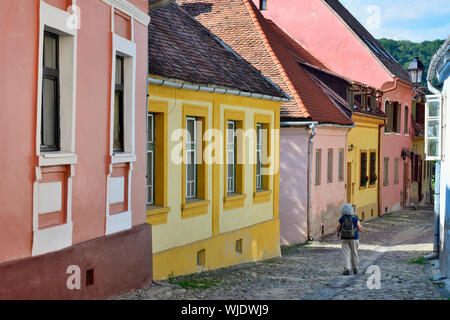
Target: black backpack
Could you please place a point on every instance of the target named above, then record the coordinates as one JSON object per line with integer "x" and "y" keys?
{"x": 347, "y": 228}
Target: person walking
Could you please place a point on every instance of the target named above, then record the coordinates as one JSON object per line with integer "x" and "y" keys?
{"x": 349, "y": 228}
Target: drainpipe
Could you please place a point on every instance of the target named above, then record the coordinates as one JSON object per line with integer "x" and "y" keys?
{"x": 437, "y": 191}
{"x": 393, "y": 88}
{"x": 309, "y": 181}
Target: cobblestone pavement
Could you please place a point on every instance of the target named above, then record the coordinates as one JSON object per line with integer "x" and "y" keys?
{"x": 395, "y": 243}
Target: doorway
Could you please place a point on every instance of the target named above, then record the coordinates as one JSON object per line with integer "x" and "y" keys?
{"x": 405, "y": 184}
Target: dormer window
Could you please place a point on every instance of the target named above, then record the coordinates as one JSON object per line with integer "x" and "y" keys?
{"x": 262, "y": 4}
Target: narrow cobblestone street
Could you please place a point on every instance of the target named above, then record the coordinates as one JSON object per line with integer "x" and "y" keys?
{"x": 395, "y": 243}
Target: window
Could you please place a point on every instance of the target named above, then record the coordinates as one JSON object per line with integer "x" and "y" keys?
{"x": 150, "y": 158}
{"x": 396, "y": 168}
{"x": 157, "y": 159}
{"x": 50, "y": 126}
{"x": 341, "y": 165}
{"x": 263, "y": 170}
{"x": 396, "y": 117}
{"x": 262, "y": 4}
{"x": 363, "y": 173}
{"x": 259, "y": 154}
{"x": 330, "y": 166}
{"x": 194, "y": 179}
{"x": 318, "y": 165}
{"x": 390, "y": 117}
{"x": 386, "y": 172}
{"x": 373, "y": 168}
{"x": 392, "y": 110}
{"x": 191, "y": 157}
{"x": 122, "y": 114}
{"x": 231, "y": 156}
{"x": 433, "y": 128}
{"x": 406, "y": 121}
{"x": 118, "y": 106}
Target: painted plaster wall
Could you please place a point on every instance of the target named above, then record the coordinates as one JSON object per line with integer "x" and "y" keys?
{"x": 328, "y": 197}
{"x": 18, "y": 90}
{"x": 18, "y": 85}
{"x": 176, "y": 242}
{"x": 323, "y": 34}
{"x": 293, "y": 185}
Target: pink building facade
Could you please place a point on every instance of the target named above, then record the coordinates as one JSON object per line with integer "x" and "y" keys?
{"x": 332, "y": 34}
{"x": 72, "y": 190}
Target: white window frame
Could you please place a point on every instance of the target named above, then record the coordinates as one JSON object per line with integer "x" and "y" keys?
{"x": 56, "y": 21}
{"x": 439, "y": 99}
{"x": 151, "y": 155}
{"x": 126, "y": 49}
{"x": 231, "y": 149}
{"x": 259, "y": 154}
{"x": 191, "y": 146}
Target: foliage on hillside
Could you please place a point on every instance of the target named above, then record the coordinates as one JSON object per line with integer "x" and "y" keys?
{"x": 404, "y": 51}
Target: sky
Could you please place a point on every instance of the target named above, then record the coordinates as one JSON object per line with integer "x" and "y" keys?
{"x": 415, "y": 20}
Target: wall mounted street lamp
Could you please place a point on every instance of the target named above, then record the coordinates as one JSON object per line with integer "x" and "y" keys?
{"x": 351, "y": 147}
{"x": 416, "y": 69}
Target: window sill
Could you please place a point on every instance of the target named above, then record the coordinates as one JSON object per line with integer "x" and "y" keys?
{"x": 234, "y": 201}
{"x": 194, "y": 208}
{"x": 57, "y": 158}
{"x": 262, "y": 196}
{"x": 372, "y": 185}
{"x": 157, "y": 215}
{"x": 123, "y": 157}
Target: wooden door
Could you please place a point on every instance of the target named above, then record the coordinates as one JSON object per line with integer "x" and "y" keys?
{"x": 405, "y": 184}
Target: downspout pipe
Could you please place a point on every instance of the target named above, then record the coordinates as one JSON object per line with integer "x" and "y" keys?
{"x": 309, "y": 181}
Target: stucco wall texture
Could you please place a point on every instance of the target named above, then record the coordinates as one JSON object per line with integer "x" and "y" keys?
{"x": 327, "y": 198}
{"x": 18, "y": 122}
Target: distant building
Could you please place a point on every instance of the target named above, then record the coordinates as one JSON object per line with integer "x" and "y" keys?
{"x": 72, "y": 194}
{"x": 208, "y": 214}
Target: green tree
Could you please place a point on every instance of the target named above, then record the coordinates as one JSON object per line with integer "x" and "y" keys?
{"x": 404, "y": 51}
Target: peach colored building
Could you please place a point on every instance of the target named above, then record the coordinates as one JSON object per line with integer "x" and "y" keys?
{"x": 72, "y": 195}
{"x": 332, "y": 34}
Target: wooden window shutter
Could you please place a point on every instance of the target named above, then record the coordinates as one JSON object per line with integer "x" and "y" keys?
{"x": 390, "y": 114}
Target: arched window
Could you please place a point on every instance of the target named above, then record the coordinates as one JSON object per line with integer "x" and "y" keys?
{"x": 406, "y": 120}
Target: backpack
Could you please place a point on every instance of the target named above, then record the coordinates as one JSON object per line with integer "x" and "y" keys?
{"x": 347, "y": 228}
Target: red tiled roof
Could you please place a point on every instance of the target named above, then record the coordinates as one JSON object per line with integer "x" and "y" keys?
{"x": 182, "y": 48}
{"x": 377, "y": 49}
{"x": 261, "y": 42}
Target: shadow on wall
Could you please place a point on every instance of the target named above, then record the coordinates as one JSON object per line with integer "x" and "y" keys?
{"x": 445, "y": 261}
{"x": 292, "y": 204}
{"x": 326, "y": 221}
{"x": 197, "y": 8}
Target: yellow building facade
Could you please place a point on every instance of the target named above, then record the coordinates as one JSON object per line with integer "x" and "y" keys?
{"x": 363, "y": 146}
{"x": 212, "y": 228}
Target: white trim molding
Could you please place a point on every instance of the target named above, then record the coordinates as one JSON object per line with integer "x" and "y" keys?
{"x": 60, "y": 236}
{"x": 130, "y": 9}
{"x": 127, "y": 49}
